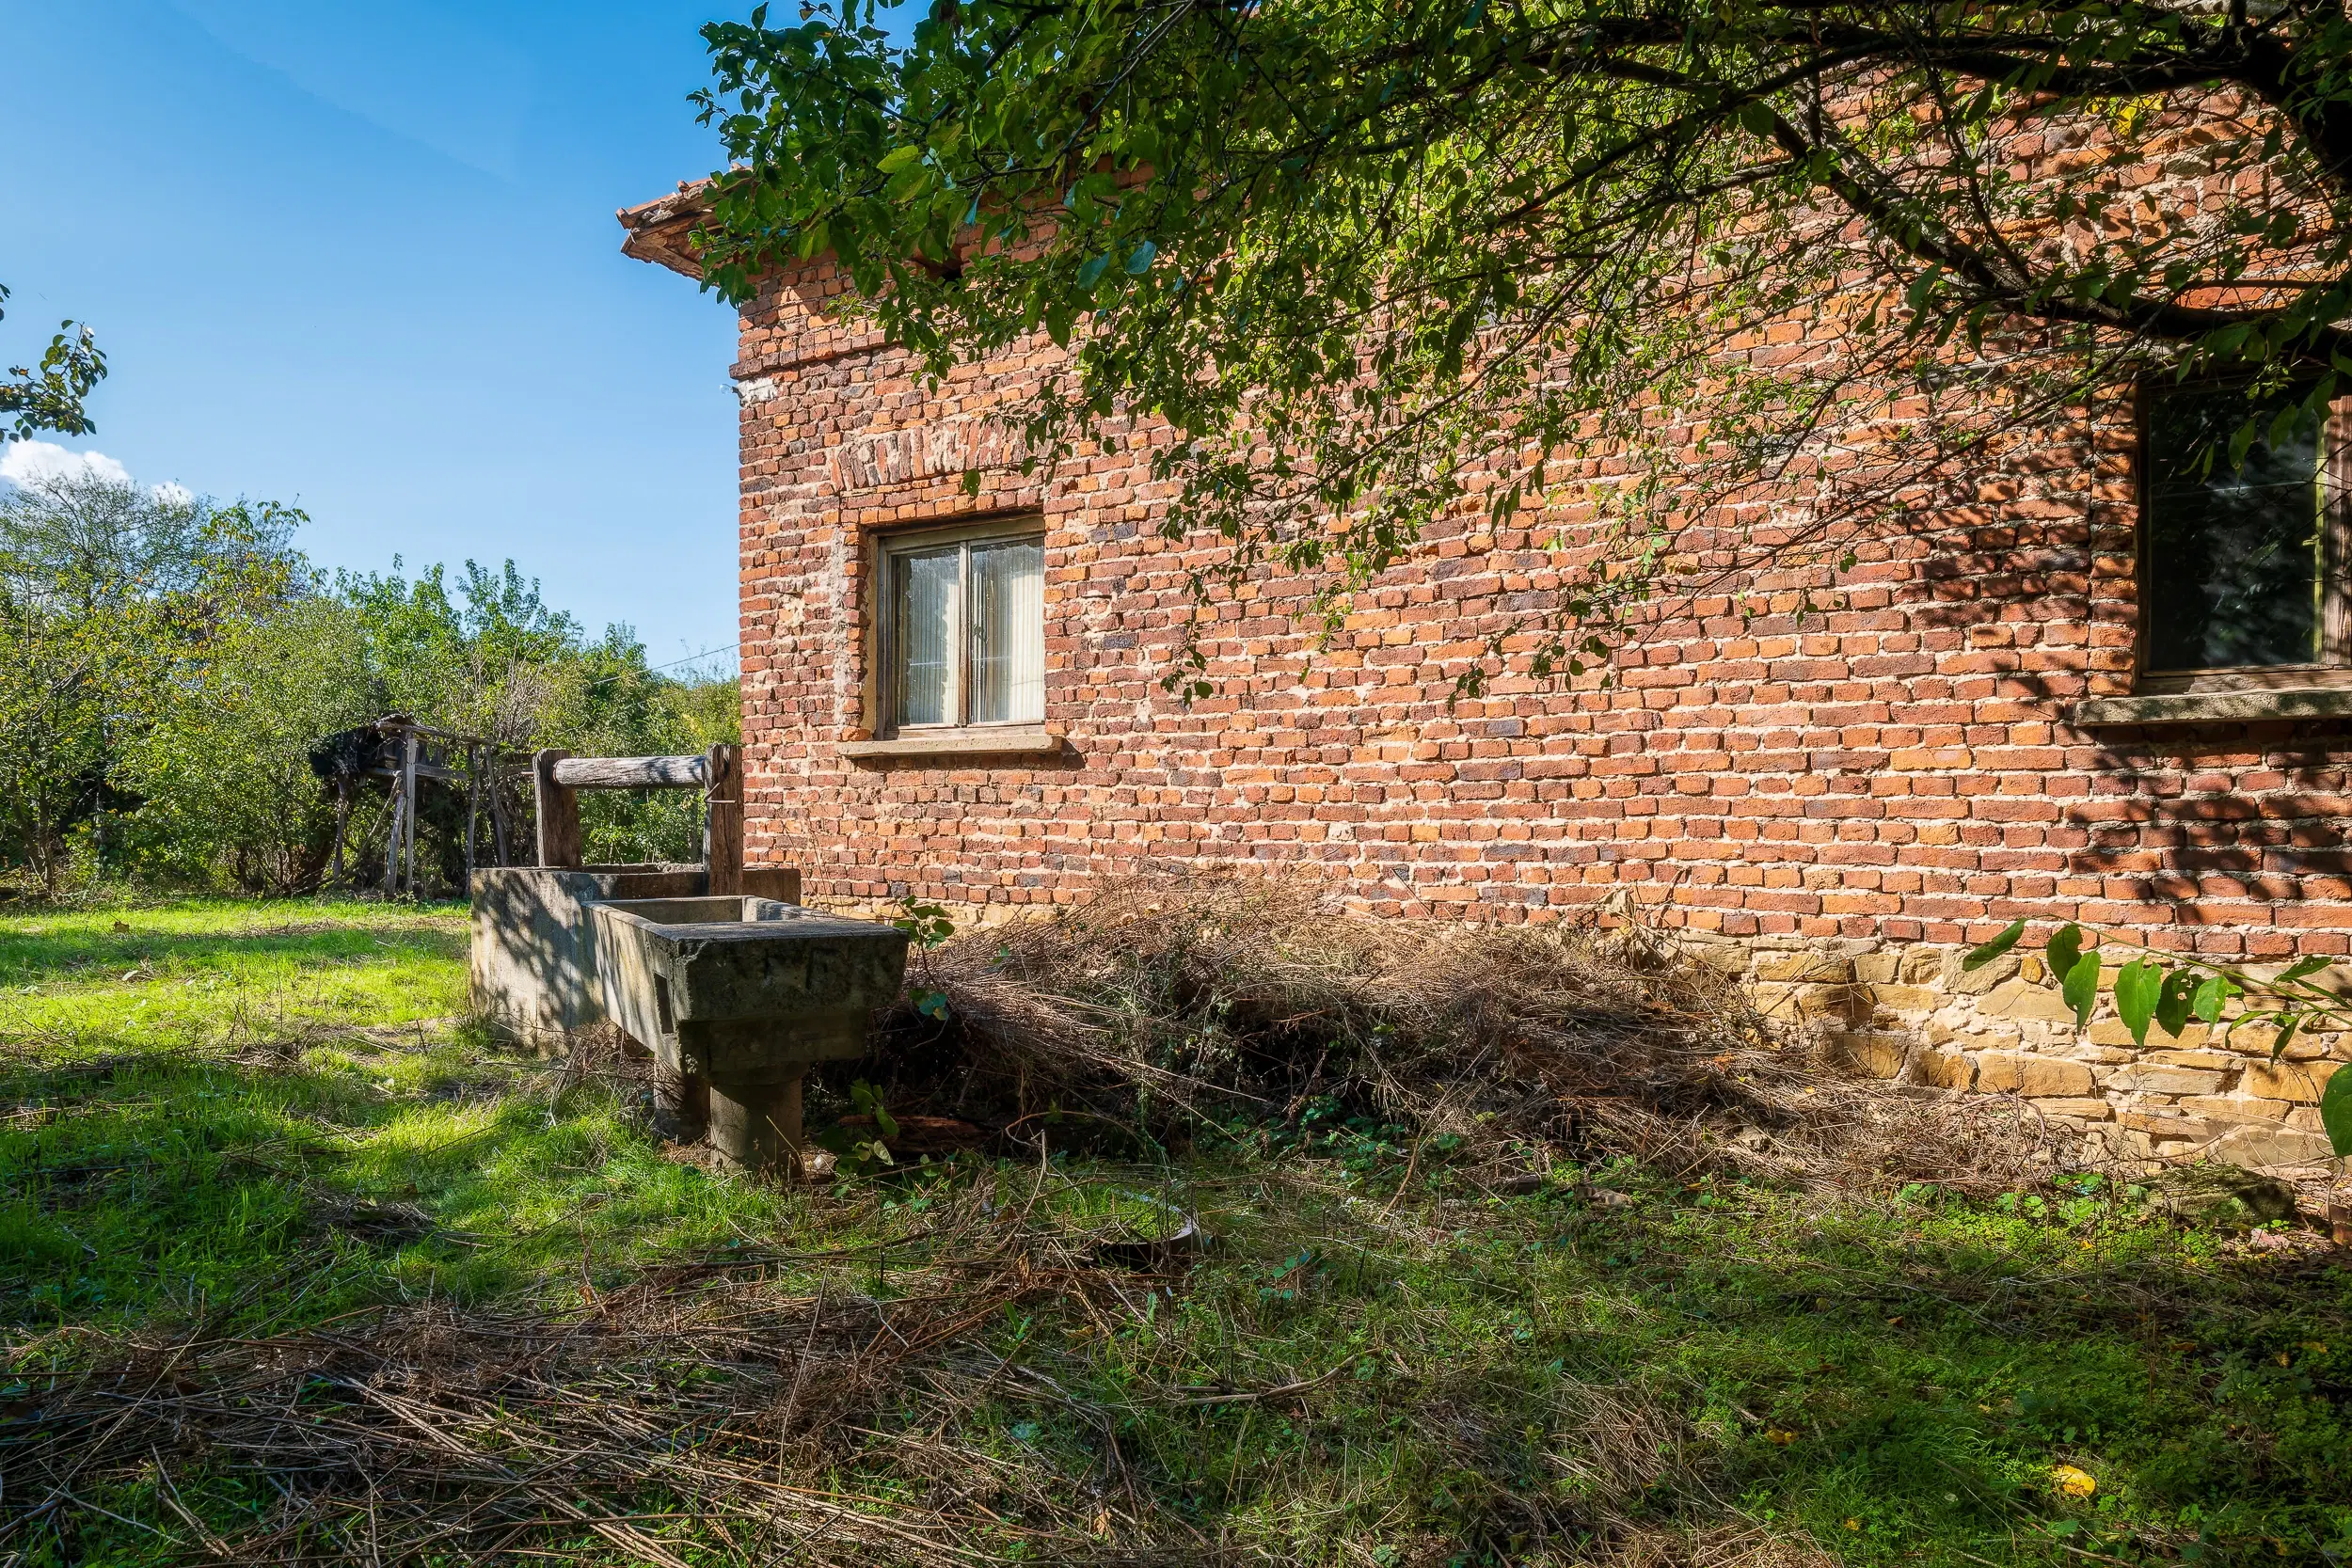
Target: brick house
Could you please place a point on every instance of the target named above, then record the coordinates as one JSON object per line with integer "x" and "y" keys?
{"x": 955, "y": 695}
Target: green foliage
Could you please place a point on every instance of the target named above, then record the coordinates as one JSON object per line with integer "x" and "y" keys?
{"x": 2335, "y": 1113}
{"x": 49, "y": 396}
{"x": 168, "y": 663}
{"x": 2169, "y": 990}
{"x": 1379, "y": 261}
{"x": 927, "y": 927}
{"x": 226, "y": 767}
{"x": 108, "y": 595}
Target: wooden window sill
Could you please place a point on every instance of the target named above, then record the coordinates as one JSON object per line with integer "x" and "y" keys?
{"x": 947, "y": 745}
{"x": 2215, "y": 707}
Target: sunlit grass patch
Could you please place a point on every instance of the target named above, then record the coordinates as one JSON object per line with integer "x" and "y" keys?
{"x": 198, "y": 971}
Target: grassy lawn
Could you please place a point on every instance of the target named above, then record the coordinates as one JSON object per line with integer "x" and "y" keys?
{"x": 294, "y": 1265}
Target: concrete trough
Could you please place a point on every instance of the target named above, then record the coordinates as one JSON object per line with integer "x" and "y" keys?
{"x": 533, "y": 960}
{"x": 738, "y": 998}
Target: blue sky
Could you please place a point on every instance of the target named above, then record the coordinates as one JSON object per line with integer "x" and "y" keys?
{"x": 360, "y": 258}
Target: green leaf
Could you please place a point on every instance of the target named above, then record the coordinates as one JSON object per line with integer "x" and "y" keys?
{"x": 2137, "y": 986}
{"x": 2288, "y": 1025}
{"x": 2335, "y": 1112}
{"x": 2081, "y": 988}
{"x": 2210, "y": 998}
{"x": 1980, "y": 957}
{"x": 2065, "y": 945}
{"x": 2173, "y": 1001}
{"x": 1091, "y": 273}
{"x": 899, "y": 158}
{"x": 1140, "y": 258}
{"x": 2303, "y": 967}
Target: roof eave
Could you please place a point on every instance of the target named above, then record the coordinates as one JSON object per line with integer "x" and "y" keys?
{"x": 660, "y": 230}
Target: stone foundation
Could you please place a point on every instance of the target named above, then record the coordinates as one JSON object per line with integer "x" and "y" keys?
{"x": 1909, "y": 1011}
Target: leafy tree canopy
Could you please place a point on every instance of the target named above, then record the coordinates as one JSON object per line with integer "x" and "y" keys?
{"x": 48, "y": 396}
{"x": 1369, "y": 258}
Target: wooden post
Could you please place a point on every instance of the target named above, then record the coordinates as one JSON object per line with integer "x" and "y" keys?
{"x": 409, "y": 796}
{"x": 498, "y": 811}
{"x": 559, "y": 811}
{"x": 722, "y": 819}
{"x": 392, "y": 851}
{"x": 473, "y": 812}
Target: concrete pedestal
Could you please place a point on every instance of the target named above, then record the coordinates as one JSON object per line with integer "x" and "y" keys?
{"x": 744, "y": 995}
{"x": 758, "y": 1126}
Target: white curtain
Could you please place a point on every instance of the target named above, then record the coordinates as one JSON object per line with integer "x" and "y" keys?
{"x": 926, "y": 617}
{"x": 1008, "y": 636}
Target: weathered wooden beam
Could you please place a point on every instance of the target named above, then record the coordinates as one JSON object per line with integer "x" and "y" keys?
{"x": 722, "y": 820}
{"x": 559, "y": 810}
{"x": 631, "y": 772}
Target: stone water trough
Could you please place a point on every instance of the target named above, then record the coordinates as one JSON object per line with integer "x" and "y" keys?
{"x": 732, "y": 987}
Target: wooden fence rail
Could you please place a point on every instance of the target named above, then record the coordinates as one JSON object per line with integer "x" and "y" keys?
{"x": 559, "y": 776}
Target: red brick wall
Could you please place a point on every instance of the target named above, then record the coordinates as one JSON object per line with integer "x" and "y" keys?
{"x": 1898, "y": 766}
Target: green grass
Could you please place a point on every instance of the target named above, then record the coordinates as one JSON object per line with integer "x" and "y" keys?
{"x": 280, "y": 1120}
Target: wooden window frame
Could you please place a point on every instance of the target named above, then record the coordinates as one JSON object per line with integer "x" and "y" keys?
{"x": 2334, "y": 669}
{"x": 889, "y": 547}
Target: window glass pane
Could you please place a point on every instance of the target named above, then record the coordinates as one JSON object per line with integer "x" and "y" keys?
{"x": 1008, "y": 632}
{"x": 923, "y": 607}
{"x": 2234, "y": 554}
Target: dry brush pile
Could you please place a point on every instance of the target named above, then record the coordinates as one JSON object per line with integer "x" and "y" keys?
{"x": 1165, "y": 1006}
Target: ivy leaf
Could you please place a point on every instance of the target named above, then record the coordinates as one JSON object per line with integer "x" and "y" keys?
{"x": 1980, "y": 957}
{"x": 2137, "y": 986}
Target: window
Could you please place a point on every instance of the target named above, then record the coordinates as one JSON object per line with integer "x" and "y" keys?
{"x": 963, "y": 628}
{"x": 2242, "y": 563}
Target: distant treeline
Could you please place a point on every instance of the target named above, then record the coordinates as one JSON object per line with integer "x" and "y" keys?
{"x": 169, "y": 662}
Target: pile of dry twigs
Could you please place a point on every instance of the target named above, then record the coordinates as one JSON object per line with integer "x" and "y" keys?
{"x": 1170, "y": 1002}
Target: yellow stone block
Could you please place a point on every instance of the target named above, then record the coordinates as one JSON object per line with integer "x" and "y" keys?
{"x": 2078, "y": 1110}
{"x": 1905, "y": 999}
{"x": 1816, "y": 968}
{"x": 2020, "y": 998}
{"x": 1877, "y": 969}
{"x": 2231, "y": 1107}
{"x": 2292, "y": 1081}
{"x": 1946, "y": 1070}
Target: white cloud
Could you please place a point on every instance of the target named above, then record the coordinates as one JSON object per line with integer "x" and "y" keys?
{"x": 30, "y": 462}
